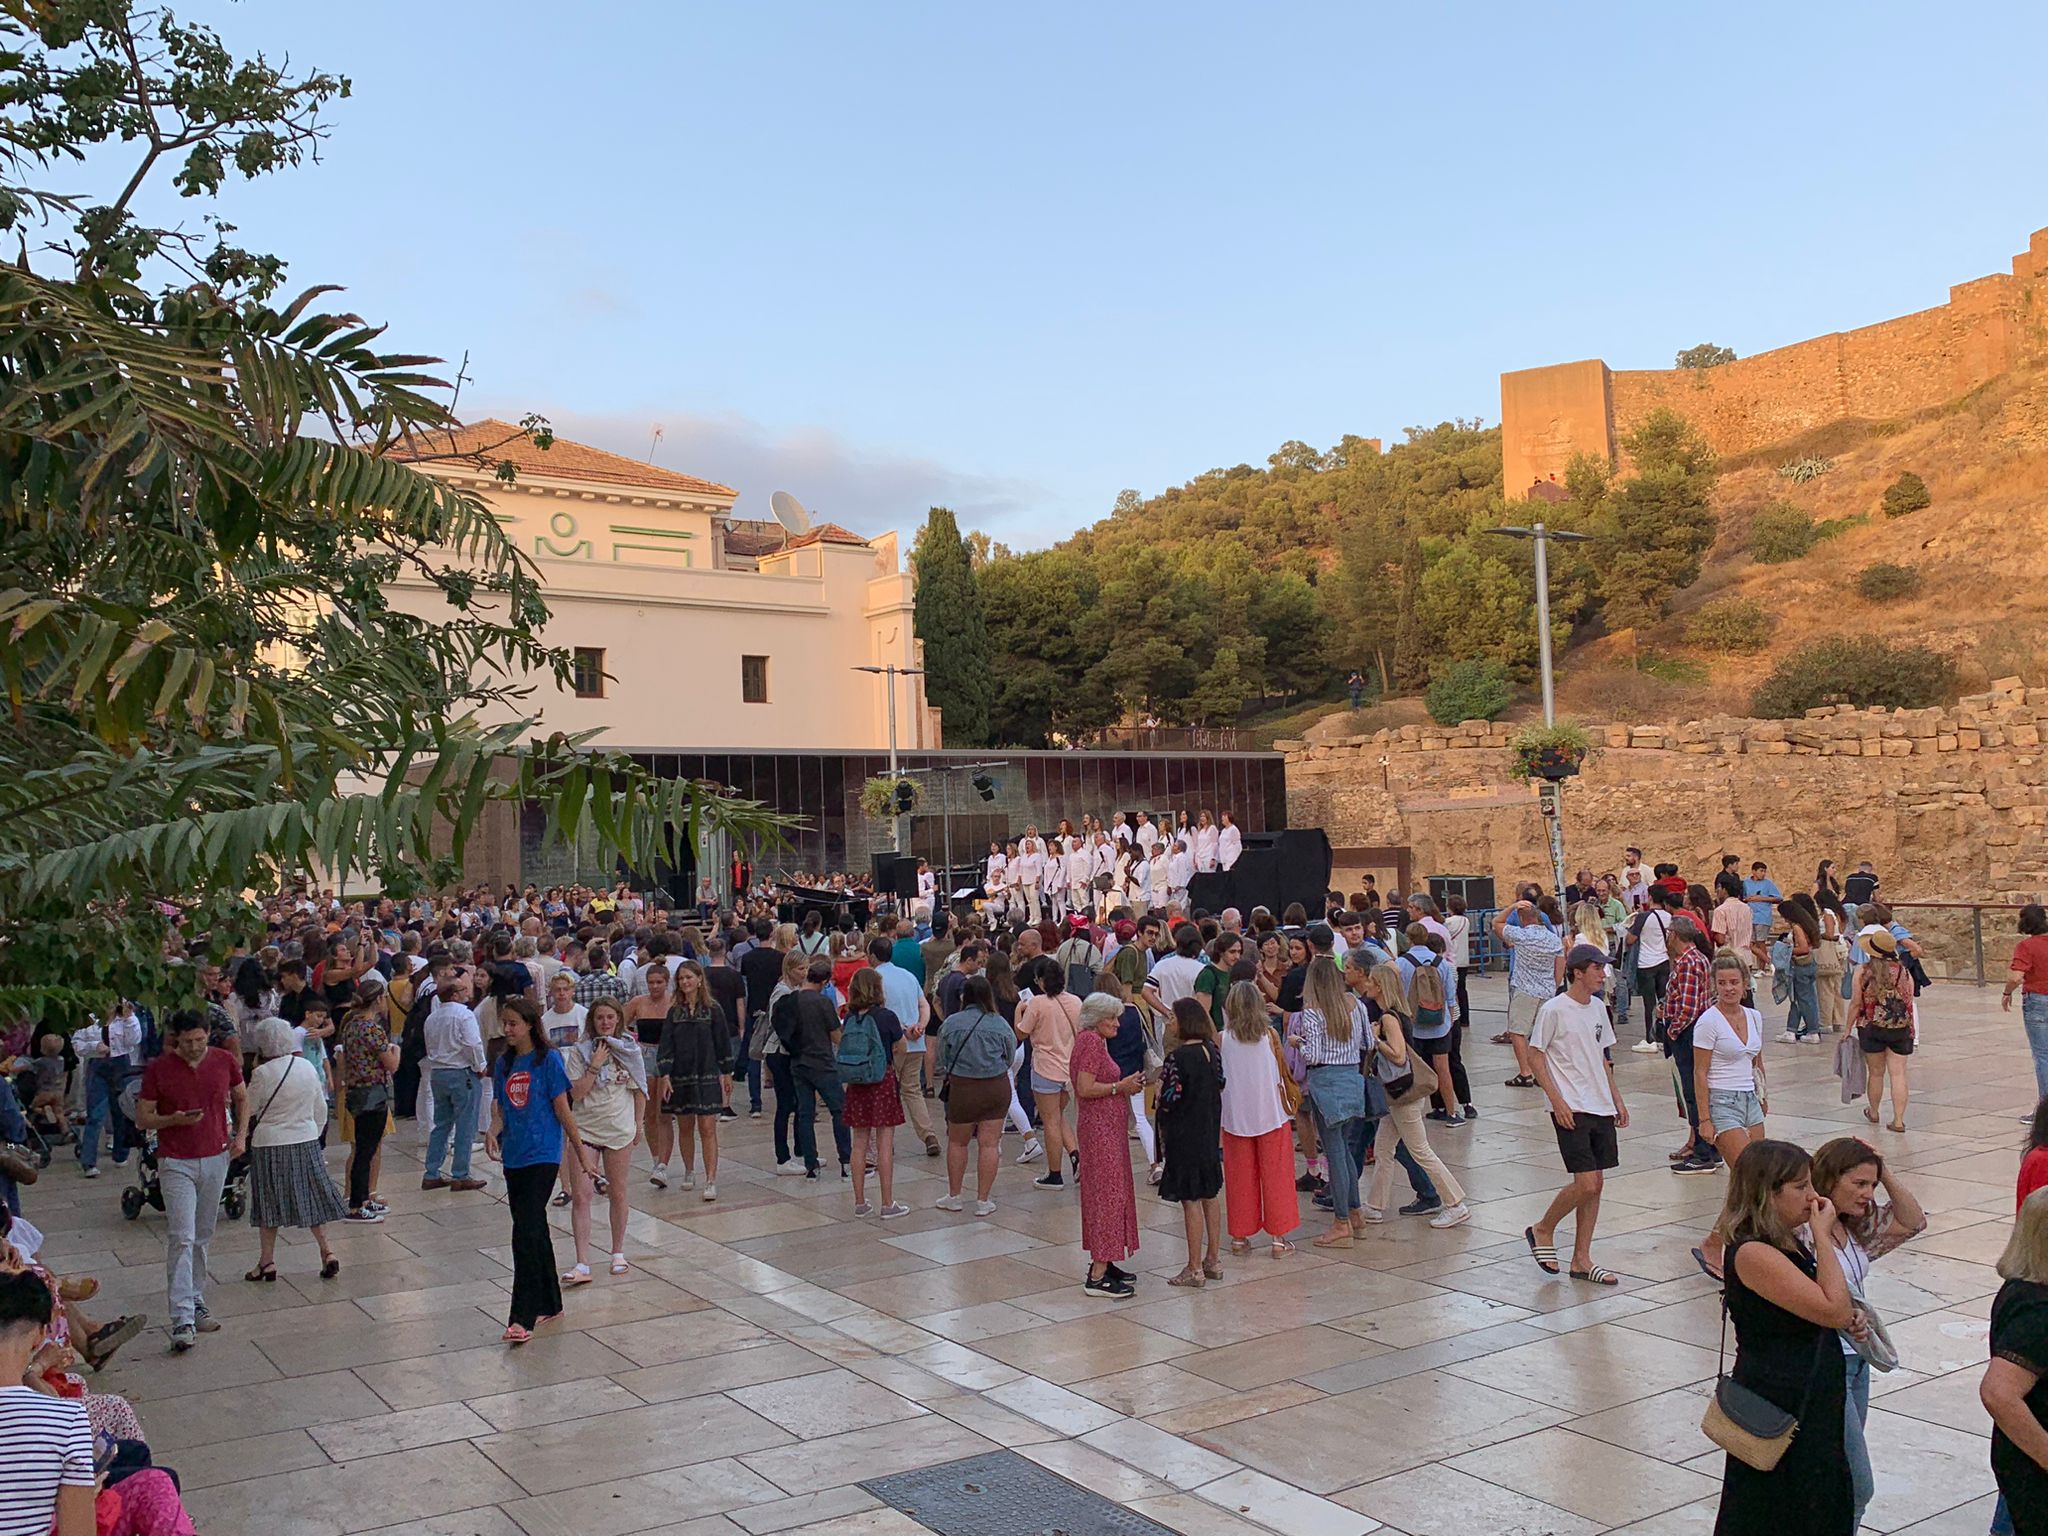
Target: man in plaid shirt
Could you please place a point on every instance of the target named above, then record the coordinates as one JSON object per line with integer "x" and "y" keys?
{"x": 1688, "y": 991}
{"x": 592, "y": 983}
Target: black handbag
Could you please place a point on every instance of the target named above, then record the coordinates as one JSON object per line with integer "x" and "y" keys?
{"x": 367, "y": 1101}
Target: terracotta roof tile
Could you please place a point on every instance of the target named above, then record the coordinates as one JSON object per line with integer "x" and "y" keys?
{"x": 827, "y": 533}
{"x": 750, "y": 538}
{"x": 564, "y": 461}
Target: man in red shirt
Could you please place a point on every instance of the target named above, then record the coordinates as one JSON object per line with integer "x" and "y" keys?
{"x": 184, "y": 1098}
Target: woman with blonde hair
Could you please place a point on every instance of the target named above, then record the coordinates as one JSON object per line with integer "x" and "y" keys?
{"x": 1328, "y": 1033}
{"x": 695, "y": 1058}
{"x": 607, "y": 1089}
{"x": 1258, "y": 1141}
{"x": 1787, "y": 1302}
{"x": 1405, "y": 1123}
{"x": 1728, "y": 1080}
{"x": 2011, "y": 1391}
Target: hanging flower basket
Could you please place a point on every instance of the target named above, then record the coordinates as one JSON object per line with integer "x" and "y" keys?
{"x": 878, "y": 797}
{"x": 1549, "y": 752}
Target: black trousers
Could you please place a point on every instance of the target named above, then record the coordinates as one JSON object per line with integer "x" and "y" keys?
{"x": 369, "y": 1137}
{"x": 1460, "y": 1084}
{"x": 1650, "y": 983}
{"x": 536, "y": 1287}
{"x": 785, "y": 1101}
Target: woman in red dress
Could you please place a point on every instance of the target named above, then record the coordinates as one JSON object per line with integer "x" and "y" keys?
{"x": 1109, "y": 1202}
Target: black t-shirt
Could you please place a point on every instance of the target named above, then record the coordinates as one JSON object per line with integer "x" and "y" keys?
{"x": 952, "y": 987}
{"x": 292, "y": 1007}
{"x": 509, "y": 978}
{"x": 804, "y": 1022}
{"x": 729, "y": 991}
{"x": 761, "y": 968}
{"x": 1858, "y": 889}
{"x": 1291, "y": 986}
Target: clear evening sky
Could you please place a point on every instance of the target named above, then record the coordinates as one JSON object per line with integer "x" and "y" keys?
{"x": 1017, "y": 257}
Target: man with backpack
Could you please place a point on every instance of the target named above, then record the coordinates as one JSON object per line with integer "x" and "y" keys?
{"x": 1079, "y": 958}
{"x": 808, "y": 1026}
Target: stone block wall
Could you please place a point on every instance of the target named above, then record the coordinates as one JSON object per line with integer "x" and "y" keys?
{"x": 1914, "y": 362}
{"x": 1949, "y": 804}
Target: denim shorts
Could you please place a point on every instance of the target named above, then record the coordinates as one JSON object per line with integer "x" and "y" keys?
{"x": 1046, "y": 1085}
{"x": 1734, "y": 1109}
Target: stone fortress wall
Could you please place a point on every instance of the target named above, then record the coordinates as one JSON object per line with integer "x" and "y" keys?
{"x": 1917, "y": 361}
{"x": 1949, "y": 804}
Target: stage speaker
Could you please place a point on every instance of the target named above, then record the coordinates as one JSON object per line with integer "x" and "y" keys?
{"x": 895, "y": 875}
{"x": 1477, "y": 891}
{"x": 1304, "y": 868}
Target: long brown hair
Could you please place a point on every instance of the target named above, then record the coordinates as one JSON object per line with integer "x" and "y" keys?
{"x": 1764, "y": 1168}
{"x": 1323, "y": 990}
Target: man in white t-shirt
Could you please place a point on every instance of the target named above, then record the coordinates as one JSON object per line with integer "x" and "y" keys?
{"x": 1568, "y": 1048}
{"x": 47, "y": 1483}
{"x": 1174, "y": 977}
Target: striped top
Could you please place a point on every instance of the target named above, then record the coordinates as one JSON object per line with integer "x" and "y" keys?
{"x": 45, "y": 1443}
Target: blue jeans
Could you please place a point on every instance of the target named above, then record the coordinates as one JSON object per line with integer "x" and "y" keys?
{"x": 2034, "y": 1014}
{"x": 1804, "y": 1017}
{"x": 456, "y": 1090}
{"x": 753, "y": 1067}
{"x": 103, "y": 1083}
{"x": 1340, "y": 1145}
{"x": 812, "y": 1086}
{"x": 2001, "y": 1518}
{"x": 1420, "y": 1182}
{"x": 1855, "y": 1412}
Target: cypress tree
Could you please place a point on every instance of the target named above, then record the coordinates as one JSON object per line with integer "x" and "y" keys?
{"x": 950, "y": 622}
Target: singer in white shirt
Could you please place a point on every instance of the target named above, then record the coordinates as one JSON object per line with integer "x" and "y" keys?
{"x": 1205, "y": 844}
{"x": 1180, "y": 869}
{"x": 1102, "y": 862}
{"x": 1229, "y": 842}
{"x": 1080, "y": 863}
{"x": 1028, "y": 869}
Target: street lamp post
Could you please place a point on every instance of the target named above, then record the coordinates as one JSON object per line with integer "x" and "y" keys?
{"x": 891, "y": 671}
{"x": 1540, "y": 536}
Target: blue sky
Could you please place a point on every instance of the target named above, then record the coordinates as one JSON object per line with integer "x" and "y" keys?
{"x": 1015, "y": 258}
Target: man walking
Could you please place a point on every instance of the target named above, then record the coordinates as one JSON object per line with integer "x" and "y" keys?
{"x": 184, "y": 1098}
{"x": 904, "y": 996}
{"x": 1568, "y": 1047}
{"x": 455, "y": 1066}
{"x": 1762, "y": 894}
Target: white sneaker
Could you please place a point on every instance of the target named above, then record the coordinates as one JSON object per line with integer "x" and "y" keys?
{"x": 1372, "y": 1213}
{"x": 689, "y": 1179}
{"x": 710, "y": 1192}
{"x": 1034, "y": 1149}
{"x": 1788, "y": 1038}
{"x": 1451, "y": 1216}
{"x": 658, "y": 1175}
{"x": 93, "y": 1173}
{"x": 793, "y": 1169}
{"x": 984, "y": 1207}
{"x": 949, "y": 1202}
{"x": 1642, "y": 1048}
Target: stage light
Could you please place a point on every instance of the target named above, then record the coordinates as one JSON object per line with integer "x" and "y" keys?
{"x": 906, "y": 796}
{"x": 984, "y": 786}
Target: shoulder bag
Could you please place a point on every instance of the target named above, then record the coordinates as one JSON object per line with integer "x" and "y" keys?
{"x": 1746, "y": 1424}
{"x": 1290, "y": 1090}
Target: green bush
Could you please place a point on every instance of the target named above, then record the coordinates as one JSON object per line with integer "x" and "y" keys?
{"x": 1799, "y": 471}
{"x": 1780, "y": 532}
{"x": 1468, "y": 690}
{"x": 1905, "y": 495}
{"x": 1731, "y": 624}
{"x": 1885, "y": 580}
{"x": 1864, "y": 671}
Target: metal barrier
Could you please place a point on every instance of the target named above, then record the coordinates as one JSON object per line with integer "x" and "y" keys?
{"x": 1962, "y": 940}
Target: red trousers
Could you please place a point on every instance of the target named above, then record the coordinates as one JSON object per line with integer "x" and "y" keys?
{"x": 1258, "y": 1183}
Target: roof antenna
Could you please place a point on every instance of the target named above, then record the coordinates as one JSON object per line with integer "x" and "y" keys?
{"x": 656, "y": 443}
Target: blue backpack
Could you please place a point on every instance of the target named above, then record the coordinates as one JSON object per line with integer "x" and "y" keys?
{"x": 862, "y": 1060}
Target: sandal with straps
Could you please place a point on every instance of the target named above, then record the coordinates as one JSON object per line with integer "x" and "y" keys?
{"x": 1521, "y": 1080}
{"x": 1545, "y": 1254}
{"x": 1191, "y": 1279}
{"x": 1240, "y": 1245}
{"x": 1213, "y": 1269}
{"x": 263, "y": 1272}
{"x": 1597, "y": 1275}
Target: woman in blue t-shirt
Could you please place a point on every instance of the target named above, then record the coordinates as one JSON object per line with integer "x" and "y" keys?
{"x": 530, "y": 1115}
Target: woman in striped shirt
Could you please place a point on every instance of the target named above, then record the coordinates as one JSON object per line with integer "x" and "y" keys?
{"x": 1327, "y": 1033}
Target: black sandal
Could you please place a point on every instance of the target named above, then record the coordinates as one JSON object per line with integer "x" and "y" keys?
{"x": 264, "y": 1272}
{"x": 1545, "y": 1254}
{"x": 330, "y": 1266}
{"x": 1521, "y": 1080}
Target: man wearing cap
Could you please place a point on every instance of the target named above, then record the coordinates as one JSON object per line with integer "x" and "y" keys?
{"x": 1568, "y": 1047}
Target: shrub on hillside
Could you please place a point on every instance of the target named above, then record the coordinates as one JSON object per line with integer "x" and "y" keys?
{"x": 1861, "y": 670}
{"x": 1811, "y": 467}
{"x": 1905, "y": 495}
{"x": 1780, "y": 532}
{"x": 1730, "y": 624}
{"x": 1886, "y": 580}
{"x": 1468, "y": 690}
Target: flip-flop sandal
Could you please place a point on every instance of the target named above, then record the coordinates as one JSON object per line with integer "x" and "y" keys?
{"x": 514, "y": 1334}
{"x": 619, "y": 1265}
{"x": 1870, "y": 1115}
{"x": 1896, "y": 1125}
{"x": 1597, "y": 1275}
{"x": 1545, "y": 1254}
{"x": 1521, "y": 1080}
{"x": 1699, "y": 1257}
{"x": 1501, "y": 1038}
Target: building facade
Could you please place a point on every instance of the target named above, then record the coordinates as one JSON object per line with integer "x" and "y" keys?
{"x": 687, "y": 626}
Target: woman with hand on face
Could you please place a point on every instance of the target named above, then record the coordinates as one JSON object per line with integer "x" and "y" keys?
{"x": 607, "y": 1088}
{"x": 1849, "y": 1172}
{"x": 1787, "y": 1303}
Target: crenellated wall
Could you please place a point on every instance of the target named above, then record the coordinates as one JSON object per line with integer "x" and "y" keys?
{"x": 1987, "y": 327}
{"x": 1949, "y": 804}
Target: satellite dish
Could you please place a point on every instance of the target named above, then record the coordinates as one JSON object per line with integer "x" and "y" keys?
{"x": 790, "y": 513}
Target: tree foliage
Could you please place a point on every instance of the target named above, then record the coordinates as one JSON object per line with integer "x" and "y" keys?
{"x": 1705, "y": 355}
{"x": 950, "y": 622}
{"x": 1736, "y": 624}
{"x": 203, "y": 501}
{"x": 1475, "y": 689}
{"x": 1781, "y": 532}
{"x": 1656, "y": 524}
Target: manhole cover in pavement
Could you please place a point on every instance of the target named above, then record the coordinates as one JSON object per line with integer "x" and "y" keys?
{"x": 1003, "y": 1494}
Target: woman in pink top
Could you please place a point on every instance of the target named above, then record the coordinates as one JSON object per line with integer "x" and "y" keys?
{"x": 1050, "y": 1020}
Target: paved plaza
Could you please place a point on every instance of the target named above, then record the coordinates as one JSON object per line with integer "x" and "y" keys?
{"x": 769, "y": 1353}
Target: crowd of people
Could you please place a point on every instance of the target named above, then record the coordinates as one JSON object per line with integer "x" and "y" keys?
{"x": 1270, "y": 1067}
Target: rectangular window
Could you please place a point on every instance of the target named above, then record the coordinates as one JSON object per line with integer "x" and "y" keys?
{"x": 586, "y": 672}
{"x": 754, "y": 679}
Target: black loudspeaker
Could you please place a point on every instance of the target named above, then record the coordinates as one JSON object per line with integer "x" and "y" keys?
{"x": 895, "y": 875}
{"x": 1275, "y": 868}
{"x": 1477, "y": 891}
{"x": 1304, "y": 868}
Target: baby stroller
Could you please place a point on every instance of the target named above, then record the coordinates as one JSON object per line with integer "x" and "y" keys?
{"x": 148, "y": 1190}
{"x": 42, "y": 1130}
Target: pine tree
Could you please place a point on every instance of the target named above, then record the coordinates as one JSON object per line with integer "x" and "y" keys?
{"x": 954, "y": 630}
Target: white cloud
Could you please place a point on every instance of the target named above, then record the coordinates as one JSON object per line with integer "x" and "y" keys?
{"x": 865, "y": 489}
